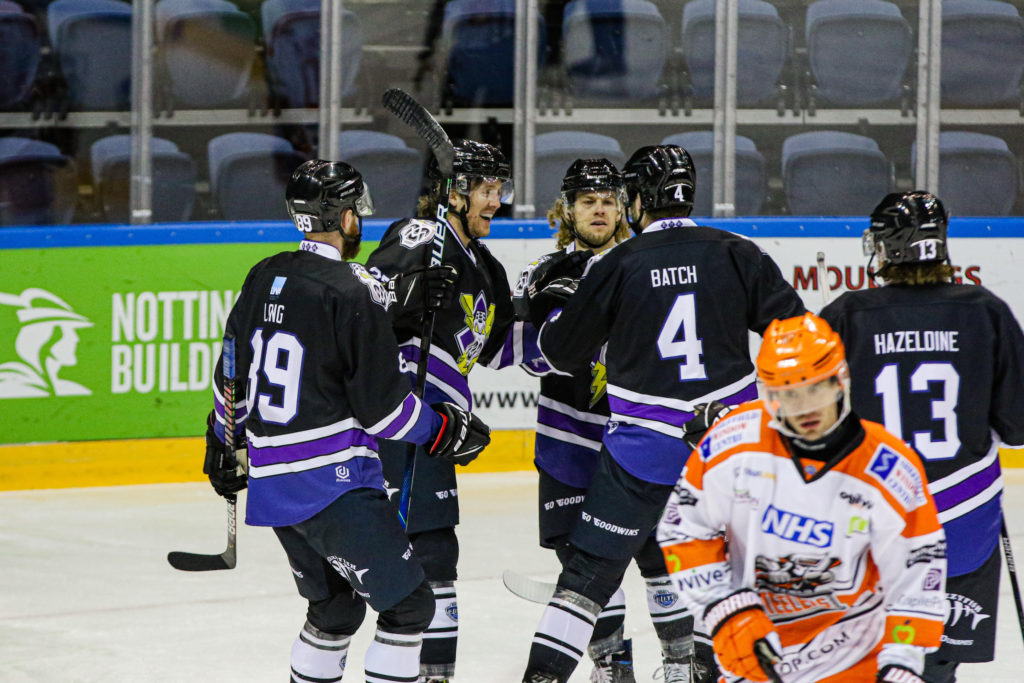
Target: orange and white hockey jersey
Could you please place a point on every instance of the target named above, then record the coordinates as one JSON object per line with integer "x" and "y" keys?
{"x": 849, "y": 561}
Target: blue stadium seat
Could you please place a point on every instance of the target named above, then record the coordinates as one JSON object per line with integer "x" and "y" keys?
{"x": 614, "y": 48}
{"x": 858, "y": 50}
{"x": 982, "y": 53}
{"x": 174, "y": 179}
{"x": 761, "y": 51}
{"x": 555, "y": 152}
{"x": 750, "y": 171}
{"x": 291, "y": 31}
{"x": 978, "y": 174}
{"x": 829, "y": 173}
{"x": 93, "y": 43}
{"x": 392, "y": 170}
{"x": 248, "y": 174}
{"x": 478, "y": 37}
{"x": 207, "y": 49}
{"x": 38, "y": 185}
{"x": 20, "y": 46}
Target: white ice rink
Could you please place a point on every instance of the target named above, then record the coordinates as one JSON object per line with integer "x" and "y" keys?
{"x": 86, "y": 593}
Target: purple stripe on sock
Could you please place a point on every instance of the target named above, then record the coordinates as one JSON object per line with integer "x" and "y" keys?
{"x": 968, "y": 488}
{"x": 310, "y": 449}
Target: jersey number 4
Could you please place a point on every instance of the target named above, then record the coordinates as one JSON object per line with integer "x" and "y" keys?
{"x": 280, "y": 362}
{"x": 678, "y": 338}
{"x": 887, "y": 385}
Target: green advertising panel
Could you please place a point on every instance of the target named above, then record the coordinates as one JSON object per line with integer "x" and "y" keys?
{"x": 114, "y": 342}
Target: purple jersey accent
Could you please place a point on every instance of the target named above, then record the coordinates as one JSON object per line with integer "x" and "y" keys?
{"x": 569, "y": 463}
{"x": 440, "y": 373}
{"x": 968, "y": 488}
{"x": 260, "y": 457}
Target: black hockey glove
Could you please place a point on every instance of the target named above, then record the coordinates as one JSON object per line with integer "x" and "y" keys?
{"x": 894, "y": 673}
{"x": 548, "y": 299}
{"x": 462, "y": 435}
{"x": 226, "y": 477}
{"x": 704, "y": 415}
{"x": 419, "y": 291}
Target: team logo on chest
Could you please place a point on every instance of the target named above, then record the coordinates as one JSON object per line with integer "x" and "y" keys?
{"x": 471, "y": 338}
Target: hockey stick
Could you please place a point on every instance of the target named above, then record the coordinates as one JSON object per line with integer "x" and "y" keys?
{"x": 767, "y": 658}
{"x": 1011, "y": 568}
{"x": 196, "y": 562}
{"x": 823, "y": 279}
{"x": 527, "y": 588}
{"x": 415, "y": 115}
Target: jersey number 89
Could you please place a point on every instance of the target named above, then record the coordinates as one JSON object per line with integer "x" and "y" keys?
{"x": 280, "y": 361}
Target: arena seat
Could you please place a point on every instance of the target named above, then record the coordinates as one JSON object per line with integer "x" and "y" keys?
{"x": 392, "y": 170}
{"x": 478, "y": 41}
{"x": 20, "y": 52}
{"x": 206, "y": 49}
{"x": 831, "y": 173}
{"x": 93, "y": 43}
{"x": 614, "y": 49}
{"x": 248, "y": 175}
{"x": 174, "y": 179}
{"x": 555, "y": 152}
{"x": 761, "y": 51}
{"x": 291, "y": 32}
{"x": 858, "y": 50}
{"x": 750, "y": 171}
{"x": 978, "y": 174}
{"x": 37, "y": 183}
{"x": 982, "y": 53}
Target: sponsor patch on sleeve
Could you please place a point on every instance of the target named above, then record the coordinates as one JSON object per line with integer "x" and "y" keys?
{"x": 896, "y": 475}
{"x": 732, "y": 431}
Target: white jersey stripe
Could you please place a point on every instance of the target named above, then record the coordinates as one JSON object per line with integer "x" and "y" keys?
{"x": 990, "y": 492}
{"x": 568, "y": 437}
{"x": 304, "y": 436}
{"x": 566, "y": 409}
{"x": 964, "y": 472}
{"x": 679, "y": 404}
{"x": 257, "y": 472}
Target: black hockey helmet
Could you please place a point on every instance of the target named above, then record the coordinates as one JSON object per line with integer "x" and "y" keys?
{"x": 907, "y": 227}
{"x": 663, "y": 176}
{"x": 475, "y": 160}
{"x": 592, "y": 175}
{"x": 319, "y": 191}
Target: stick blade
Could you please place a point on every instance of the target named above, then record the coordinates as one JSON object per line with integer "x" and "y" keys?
{"x": 404, "y": 106}
{"x": 527, "y": 588}
{"x": 195, "y": 562}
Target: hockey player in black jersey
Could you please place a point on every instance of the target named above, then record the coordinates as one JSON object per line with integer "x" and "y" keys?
{"x": 472, "y": 329}
{"x": 322, "y": 383}
{"x": 942, "y": 366}
{"x": 590, "y": 215}
{"x": 674, "y": 305}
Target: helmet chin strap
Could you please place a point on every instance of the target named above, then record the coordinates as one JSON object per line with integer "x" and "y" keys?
{"x": 577, "y": 235}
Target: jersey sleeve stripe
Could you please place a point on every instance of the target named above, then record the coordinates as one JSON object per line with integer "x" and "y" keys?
{"x": 305, "y": 435}
{"x": 400, "y": 421}
{"x": 548, "y": 404}
{"x": 259, "y": 456}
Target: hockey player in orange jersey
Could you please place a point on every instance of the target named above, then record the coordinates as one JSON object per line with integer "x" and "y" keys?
{"x": 805, "y": 536}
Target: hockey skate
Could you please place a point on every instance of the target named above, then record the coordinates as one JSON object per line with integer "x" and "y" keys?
{"x": 687, "y": 670}
{"x": 616, "y": 667}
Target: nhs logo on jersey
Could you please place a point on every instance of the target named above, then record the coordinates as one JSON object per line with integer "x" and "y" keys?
{"x": 277, "y": 286}
{"x": 794, "y": 527}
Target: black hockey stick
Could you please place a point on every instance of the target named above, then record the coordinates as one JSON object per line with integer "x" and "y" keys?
{"x": 1011, "y": 568}
{"x": 196, "y": 562}
{"x": 767, "y": 658}
{"x": 412, "y": 113}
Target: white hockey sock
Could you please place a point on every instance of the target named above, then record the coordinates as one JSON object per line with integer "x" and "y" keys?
{"x": 393, "y": 658}
{"x": 442, "y": 636}
{"x": 318, "y": 656}
{"x": 566, "y": 625}
{"x": 672, "y": 622}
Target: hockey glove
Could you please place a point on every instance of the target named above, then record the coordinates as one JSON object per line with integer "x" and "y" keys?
{"x": 704, "y": 415}
{"x": 226, "y": 474}
{"x": 551, "y": 297}
{"x": 743, "y": 636}
{"x": 461, "y": 437}
{"x": 895, "y": 673}
{"x": 419, "y": 291}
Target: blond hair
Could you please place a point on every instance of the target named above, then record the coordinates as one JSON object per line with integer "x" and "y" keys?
{"x": 916, "y": 273}
{"x": 560, "y": 220}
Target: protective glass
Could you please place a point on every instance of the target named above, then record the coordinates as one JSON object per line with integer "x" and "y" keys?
{"x": 364, "y": 203}
{"x": 868, "y": 242}
{"x": 505, "y": 193}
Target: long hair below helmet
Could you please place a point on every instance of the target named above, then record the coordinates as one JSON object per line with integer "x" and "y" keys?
{"x": 587, "y": 175}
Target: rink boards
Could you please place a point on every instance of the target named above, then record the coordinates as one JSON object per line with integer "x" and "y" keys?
{"x": 108, "y": 333}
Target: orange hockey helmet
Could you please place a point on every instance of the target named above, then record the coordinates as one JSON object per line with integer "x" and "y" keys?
{"x": 802, "y": 352}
